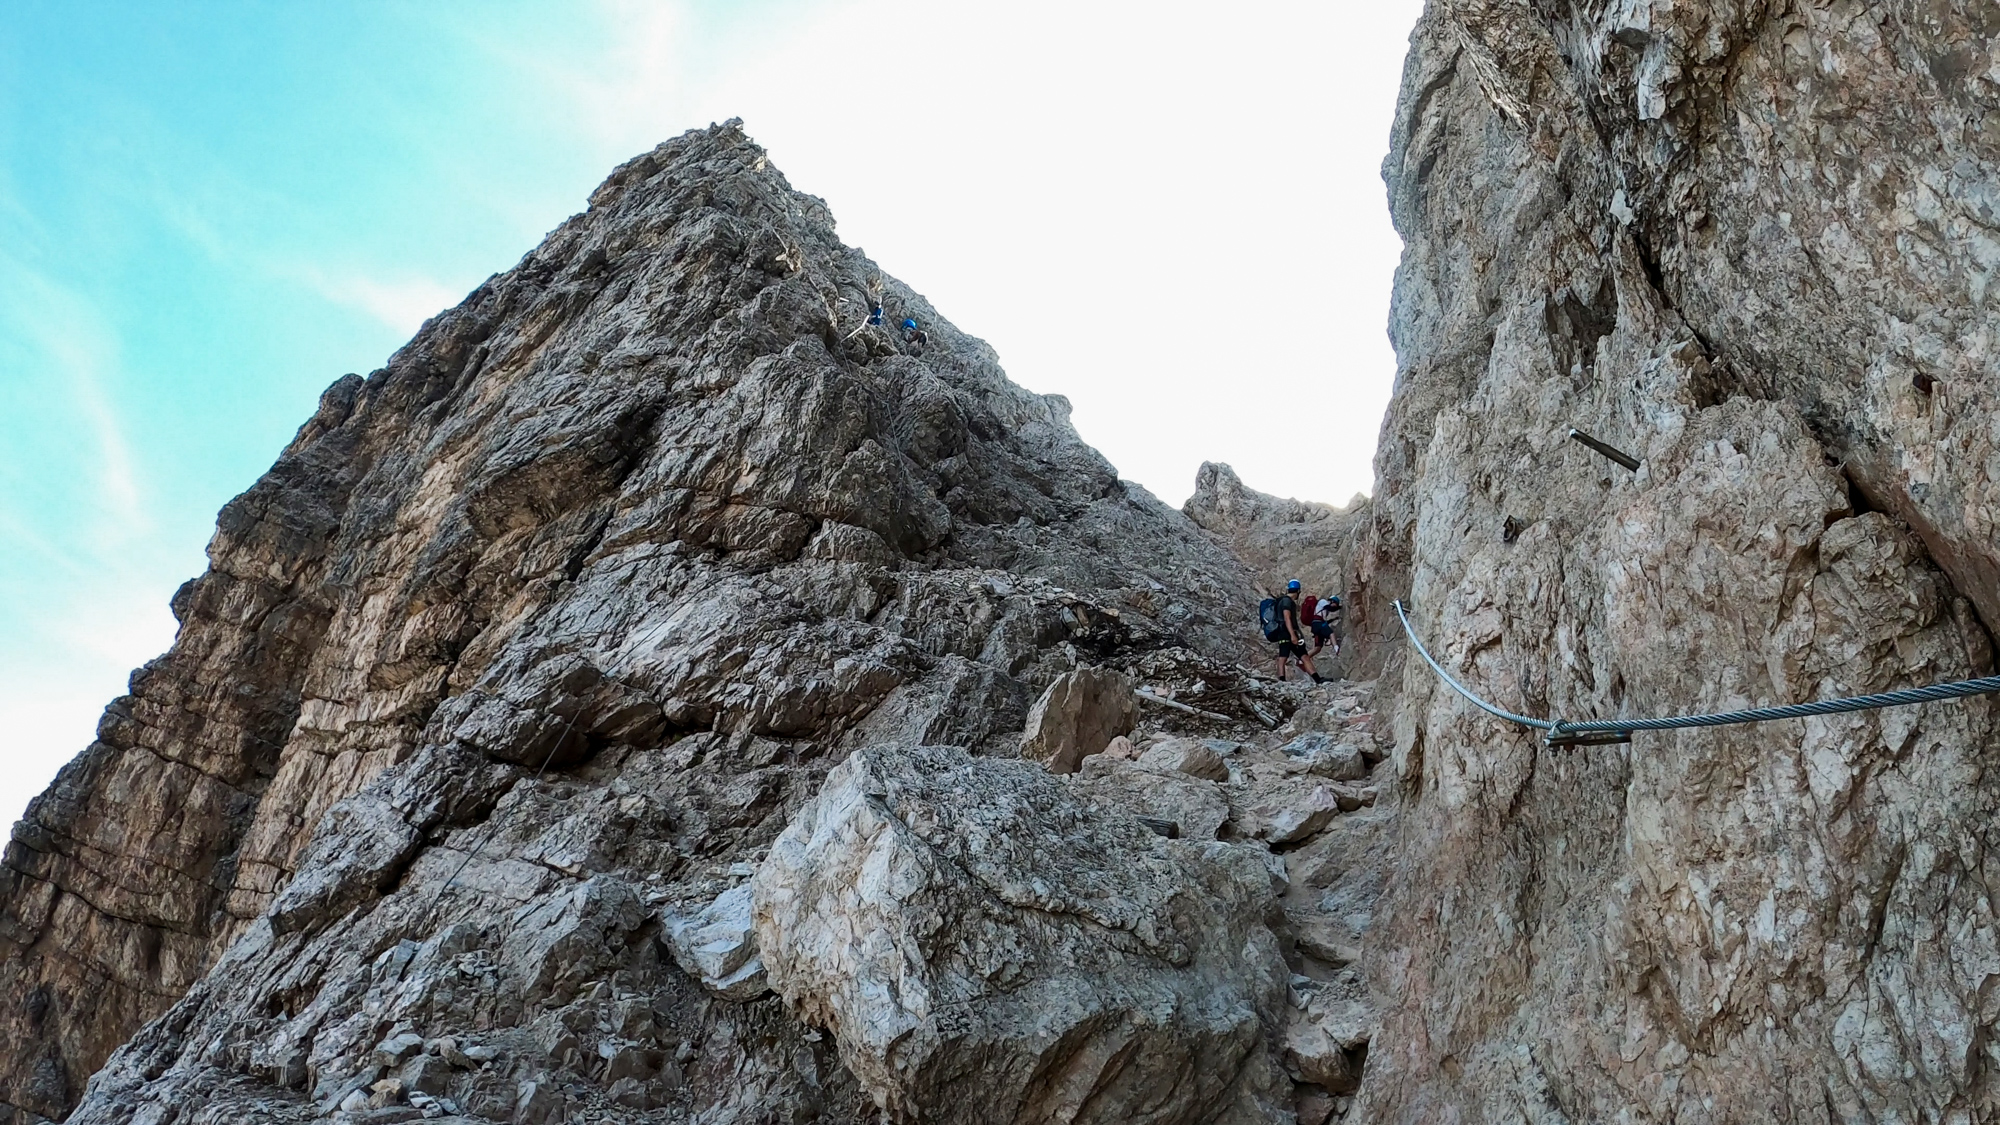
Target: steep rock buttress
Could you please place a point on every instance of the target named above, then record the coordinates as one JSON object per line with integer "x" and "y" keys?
{"x": 1752, "y": 244}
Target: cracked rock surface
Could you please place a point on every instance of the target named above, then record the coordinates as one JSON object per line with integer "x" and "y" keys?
{"x": 987, "y": 944}
{"x": 1750, "y": 244}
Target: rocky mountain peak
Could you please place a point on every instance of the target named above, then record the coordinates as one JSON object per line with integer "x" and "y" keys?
{"x": 532, "y": 643}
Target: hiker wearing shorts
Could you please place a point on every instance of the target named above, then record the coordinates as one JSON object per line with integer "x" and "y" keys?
{"x": 1289, "y": 636}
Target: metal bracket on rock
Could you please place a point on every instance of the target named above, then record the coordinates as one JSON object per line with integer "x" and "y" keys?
{"x": 1611, "y": 452}
{"x": 1560, "y": 735}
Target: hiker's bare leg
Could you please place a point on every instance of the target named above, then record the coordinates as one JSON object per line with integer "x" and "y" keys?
{"x": 1306, "y": 662}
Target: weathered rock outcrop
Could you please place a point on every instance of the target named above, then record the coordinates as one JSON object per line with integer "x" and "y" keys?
{"x": 527, "y": 649}
{"x": 652, "y": 634}
{"x": 1279, "y": 539}
{"x": 1750, "y": 243}
{"x": 987, "y": 944}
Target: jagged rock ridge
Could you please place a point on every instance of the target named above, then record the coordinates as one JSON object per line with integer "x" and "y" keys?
{"x": 514, "y": 668}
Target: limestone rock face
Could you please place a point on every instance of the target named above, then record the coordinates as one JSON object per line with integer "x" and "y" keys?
{"x": 1749, "y": 244}
{"x": 986, "y": 946}
{"x": 530, "y": 645}
{"x": 1280, "y": 539}
{"x": 652, "y": 583}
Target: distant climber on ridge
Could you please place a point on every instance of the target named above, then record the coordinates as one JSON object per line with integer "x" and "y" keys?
{"x": 875, "y": 317}
{"x": 913, "y": 334}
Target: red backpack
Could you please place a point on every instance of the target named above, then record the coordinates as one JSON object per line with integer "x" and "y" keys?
{"x": 1308, "y": 605}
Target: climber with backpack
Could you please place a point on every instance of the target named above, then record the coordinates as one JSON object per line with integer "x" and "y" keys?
{"x": 912, "y": 334}
{"x": 876, "y": 317}
{"x": 1279, "y": 617}
{"x": 1326, "y": 619}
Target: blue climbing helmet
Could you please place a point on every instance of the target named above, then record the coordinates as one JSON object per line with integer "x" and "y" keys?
{"x": 1292, "y": 587}
{"x": 910, "y": 323}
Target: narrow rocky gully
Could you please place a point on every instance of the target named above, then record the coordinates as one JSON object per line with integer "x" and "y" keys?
{"x": 660, "y": 694}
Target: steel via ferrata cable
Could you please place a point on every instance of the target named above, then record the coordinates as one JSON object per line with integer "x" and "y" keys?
{"x": 1447, "y": 677}
{"x": 1557, "y": 730}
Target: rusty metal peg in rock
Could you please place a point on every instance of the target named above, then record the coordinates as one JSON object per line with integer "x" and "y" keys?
{"x": 1610, "y": 452}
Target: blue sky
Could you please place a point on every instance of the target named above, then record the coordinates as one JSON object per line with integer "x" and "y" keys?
{"x": 209, "y": 211}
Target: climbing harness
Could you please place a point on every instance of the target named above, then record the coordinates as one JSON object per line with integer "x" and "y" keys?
{"x": 1601, "y": 731}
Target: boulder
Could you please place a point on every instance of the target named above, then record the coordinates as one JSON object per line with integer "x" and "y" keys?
{"x": 537, "y": 1102}
{"x": 427, "y": 1074}
{"x": 1326, "y": 1042}
{"x": 1352, "y": 797}
{"x": 395, "y": 1048}
{"x": 1196, "y": 808}
{"x": 987, "y": 947}
{"x": 1315, "y": 1107}
{"x": 1325, "y": 757}
{"x": 1287, "y": 814}
{"x": 718, "y": 946}
{"x": 1079, "y": 714}
{"x": 1332, "y": 940}
{"x": 1189, "y": 756}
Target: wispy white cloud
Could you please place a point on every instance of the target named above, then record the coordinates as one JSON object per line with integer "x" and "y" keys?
{"x": 396, "y": 298}
{"x": 79, "y": 598}
{"x": 75, "y": 656}
{"x": 635, "y": 61}
{"x": 402, "y": 303}
{"x": 72, "y": 349}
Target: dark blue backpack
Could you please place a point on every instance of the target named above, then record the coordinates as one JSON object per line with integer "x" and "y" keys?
{"x": 1267, "y": 616}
